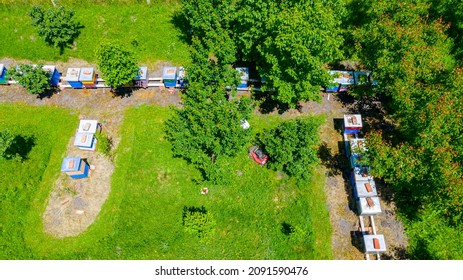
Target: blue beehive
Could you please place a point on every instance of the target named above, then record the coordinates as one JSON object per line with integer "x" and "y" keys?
{"x": 54, "y": 74}
{"x": 3, "y": 75}
{"x": 244, "y": 76}
{"x": 169, "y": 76}
{"x": 341, "y": 81}
{"x": 75, "y": 167}
{"x": 72, "y": 77}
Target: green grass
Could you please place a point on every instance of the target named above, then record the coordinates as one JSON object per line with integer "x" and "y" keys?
{"x": 142, "y": 218}
{"x": 44, "y": 133}
{"x": 149, "y": 27}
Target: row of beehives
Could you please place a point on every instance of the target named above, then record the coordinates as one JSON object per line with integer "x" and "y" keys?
{"x": 365, "y": 192}
{"x": 87, "y": 77}
{"x": 74, "y": 166}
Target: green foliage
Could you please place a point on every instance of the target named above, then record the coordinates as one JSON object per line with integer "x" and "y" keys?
{"x": 208, "y": 127}
{"x": 290, "y": 42}
{"x": 410, "y": 55}
{"x": 56, "y": 26}
{"x": 104, "y": 144}
{"x": 199, "y": 222}
{"x": 292, "y": 146}
{"x": 32, "y": 77}
{"x": 6, "y": 140}
{"x": 451, "y": 11}
{"x": 297, "y": 41}
{"x": 117, "y": 64}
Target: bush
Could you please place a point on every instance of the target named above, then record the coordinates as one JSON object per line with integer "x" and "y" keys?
{"x": 32, "y": 77}
{"x": 117, "y": 64}
{"x": 292, "y": 146}
{"x": 6, "y": 140}
{"x": 198, "y": 221}
{"x": 104, "y": 144}
{"x": 55, "y": 25}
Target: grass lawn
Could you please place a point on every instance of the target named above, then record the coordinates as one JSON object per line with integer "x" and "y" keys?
{"x": 142, "y": 218}
{"x": 42, "y": 134}
{"x": 148, "y": 29}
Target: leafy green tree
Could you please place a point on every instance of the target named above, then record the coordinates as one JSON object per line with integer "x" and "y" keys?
{"x": 117, "y": 64}
{"x": 56, "y": 26}
{"x": 32, "y": 77}
{"x": 6, "y": 140}
{"x": 451, "y": 11}
{"x": 208, "y": 127}
{"x": 292, "y": 146}
{"x": 290, "y": 42}
{"x": 298, "y": 39}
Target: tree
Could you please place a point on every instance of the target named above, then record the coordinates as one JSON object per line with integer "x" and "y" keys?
{"x": 6, "y": 140}
{"x": 32, "y": 77}
{"x": 117, "y": 64}
{"x": 56, "y": 26}
{"x": 208, "y": 127}
{"x": 290, "y": 42}
{"x": 298, "y": 39}
{"x": 451, "y": 11}
{"x": 410, "y": 55}
{"x": 292, "y": 146}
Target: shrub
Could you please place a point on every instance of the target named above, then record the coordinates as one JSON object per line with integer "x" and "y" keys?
{"x": 104, "y": 144}
{"x": 55, "y": 25}
{"x": 199, "y": 222}
{"x": 292, "y": 146}
{"x": 6, "y": 140}
{"x": 32, "y": 77}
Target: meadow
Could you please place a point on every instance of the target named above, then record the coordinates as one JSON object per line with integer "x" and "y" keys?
{"x": 257, "y": 213}
{"x": 148, "y": 29}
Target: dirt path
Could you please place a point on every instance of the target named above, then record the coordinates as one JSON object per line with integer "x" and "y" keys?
{"x": 346, "y": 242}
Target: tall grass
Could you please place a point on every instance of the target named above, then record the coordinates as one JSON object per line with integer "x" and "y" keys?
{"x": 148, "y": 29}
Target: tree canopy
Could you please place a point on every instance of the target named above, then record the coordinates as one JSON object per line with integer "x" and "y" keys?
{"x": 410, "y": 54}
{"x": 31, "y": 77}
{"x": 117, "y": 64}
{"x": 55, "y": 25}
{"x": 292, "y": 146}
{"x": 289, "y": 42}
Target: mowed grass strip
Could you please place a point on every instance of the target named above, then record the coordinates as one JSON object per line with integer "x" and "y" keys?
{"x": 148, "y": 29}
{"x": 42, "y": 134}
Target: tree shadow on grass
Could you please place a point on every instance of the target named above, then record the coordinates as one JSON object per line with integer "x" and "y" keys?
{"x": 286, "y": 228}
{"x": 20, "y": 147}
{"x": 181, "y": 23}
{"x": 267, "y": 104}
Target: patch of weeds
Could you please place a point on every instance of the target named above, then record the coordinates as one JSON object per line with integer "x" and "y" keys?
{"x": 104, "y": 145}
{"x": 198, "y": 221}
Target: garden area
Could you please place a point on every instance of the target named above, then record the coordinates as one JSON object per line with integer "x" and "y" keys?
{"x": 259, "y": 214}
{"x": 183, "y": 184}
